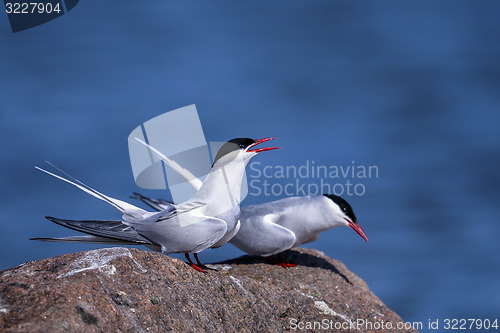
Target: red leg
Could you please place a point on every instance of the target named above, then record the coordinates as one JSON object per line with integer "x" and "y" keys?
{"x": 271, "y": 260}
{"x": 192, "y": 263}
{"x": 198, "y": 260}
{"x": 200, "y": 264}
{"x": 284, "y": 263}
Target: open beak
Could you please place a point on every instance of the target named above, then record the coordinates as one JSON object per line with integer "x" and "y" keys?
{"x": 357, "y": 228}
{"x": 258, "y": 142}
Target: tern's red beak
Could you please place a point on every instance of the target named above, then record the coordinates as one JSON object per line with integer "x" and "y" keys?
{"x": 259, "y": 141}
{"x": 357, "y": 228}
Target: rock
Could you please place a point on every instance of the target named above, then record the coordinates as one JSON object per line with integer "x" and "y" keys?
{"x": 129, "y": 290}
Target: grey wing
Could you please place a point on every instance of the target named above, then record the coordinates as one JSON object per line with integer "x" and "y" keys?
{"x": 189, "y": 234}
{"x": 115, "y": 230}
{"x": 84, "y": 239}
{"x": 169, "y": 213}
{"x": 157, "y": 205}
{"x": 259, "y": 235}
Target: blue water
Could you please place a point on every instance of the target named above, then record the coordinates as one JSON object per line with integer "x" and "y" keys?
{"x": 409, "y": 87}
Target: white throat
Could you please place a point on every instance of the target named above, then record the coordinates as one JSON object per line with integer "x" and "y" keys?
{"x": 221, "y": 190}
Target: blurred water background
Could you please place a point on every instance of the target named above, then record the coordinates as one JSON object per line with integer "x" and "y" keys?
{"x": 410, "y": 87}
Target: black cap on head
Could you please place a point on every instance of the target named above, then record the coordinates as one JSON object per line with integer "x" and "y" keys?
{"x": 232, "y": 145}
{"x": 344, "y": 206}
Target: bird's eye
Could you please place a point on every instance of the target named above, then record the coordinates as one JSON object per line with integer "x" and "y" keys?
{"x": 242, "y": 145}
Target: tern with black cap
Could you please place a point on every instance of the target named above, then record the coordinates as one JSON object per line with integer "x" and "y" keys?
{"x": 276, "y": 226}
{"x": 273, "y": 227}
{"x": 209, "y": 218}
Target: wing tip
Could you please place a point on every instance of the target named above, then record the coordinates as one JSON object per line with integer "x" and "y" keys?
{"x": 136, "y": 195}
{"x": 43, "y": 239}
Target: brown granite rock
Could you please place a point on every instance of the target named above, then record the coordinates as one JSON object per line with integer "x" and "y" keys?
{"x": 129, "y": 290}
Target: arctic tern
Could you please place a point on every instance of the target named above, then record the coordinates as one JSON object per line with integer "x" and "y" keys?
{"x": 189, "y": 227}
{"x": 273, "y": 227}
